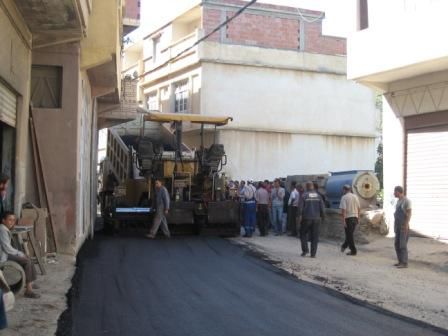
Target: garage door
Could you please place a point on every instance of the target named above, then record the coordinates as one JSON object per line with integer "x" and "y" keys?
{"x": 427, "y": 180}
{"x": 8, "y": 106}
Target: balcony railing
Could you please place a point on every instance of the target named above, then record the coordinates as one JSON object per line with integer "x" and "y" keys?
{"x": 155, "y": 68}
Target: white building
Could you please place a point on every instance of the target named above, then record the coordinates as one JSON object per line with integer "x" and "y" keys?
{"x": 273, "y": 71}
{"x": 401, "y": 50}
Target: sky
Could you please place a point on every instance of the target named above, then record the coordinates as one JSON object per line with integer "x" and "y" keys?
{"x": 339, "y": 14}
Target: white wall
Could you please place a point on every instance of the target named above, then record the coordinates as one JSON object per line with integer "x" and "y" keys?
{"x": 261, "y": 155}
{"x": 393, "y": 159}
{"x": 401, "y": 34}
{"x": 279, "y": 100}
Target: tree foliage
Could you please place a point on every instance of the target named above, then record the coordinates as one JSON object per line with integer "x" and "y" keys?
{"x": 379, "y": 164}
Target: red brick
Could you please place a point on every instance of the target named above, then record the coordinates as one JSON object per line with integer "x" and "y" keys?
{"x": 272, "y": 32}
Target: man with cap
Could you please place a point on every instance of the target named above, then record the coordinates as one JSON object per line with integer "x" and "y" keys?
{"x": 312, "y": 211}
{"x": 350, "y": 210}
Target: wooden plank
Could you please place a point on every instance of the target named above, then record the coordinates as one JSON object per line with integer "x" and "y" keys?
{"x": 39, "y": 219}
{"x": 37, "y": 167}
{"x": 53, "y": 241}
{"x": 37, "y": 253}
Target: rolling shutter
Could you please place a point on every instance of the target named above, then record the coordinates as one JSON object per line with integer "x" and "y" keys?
{"x": 8, "y": 106}
{"x": 427, "y": 180}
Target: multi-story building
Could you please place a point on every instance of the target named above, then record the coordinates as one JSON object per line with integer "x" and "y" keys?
{"x": 275, "y": 73}
{"x": 62, "y": 58}
{"x": 399, "y": 51}
{"x": 131, "y": 16}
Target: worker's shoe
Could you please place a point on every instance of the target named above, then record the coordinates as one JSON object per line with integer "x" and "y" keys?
{"x": 313, "y": 256}
{"x": 402, "y": 266}
{"x": 149, "y": 236}
{"x": 31, "y": 295}
{"x": 304, "y": 254}
{"x": 351, "y": 253}
{"x": 343, "y": 248}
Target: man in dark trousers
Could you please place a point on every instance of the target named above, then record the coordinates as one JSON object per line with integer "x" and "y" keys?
{"x": 162, "y": 204}
{"x": 403, "y": 214}
{"x": 350, "y": 210}
{"x": 293, "y": 203}
{"x": 311, "y": 213}
{"x": 262, "y": 198}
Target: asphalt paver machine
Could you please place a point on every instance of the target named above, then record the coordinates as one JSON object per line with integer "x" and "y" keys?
{"x": 193, "y": 178}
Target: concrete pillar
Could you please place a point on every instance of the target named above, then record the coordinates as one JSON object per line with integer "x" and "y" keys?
{"x": 362, "y": 14}
{"x": 22, "y": 142}
{"x": 393, "y": 156}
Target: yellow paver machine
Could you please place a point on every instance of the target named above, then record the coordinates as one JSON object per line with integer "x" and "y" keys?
{"x": 193, "y": 177}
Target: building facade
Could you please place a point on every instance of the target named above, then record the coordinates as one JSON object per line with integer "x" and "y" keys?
{"x": 61, "y": 65}
{"x": 393, "y": 55}
{"x": 273, "y": 71}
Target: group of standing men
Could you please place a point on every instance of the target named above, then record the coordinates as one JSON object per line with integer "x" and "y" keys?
{"x": 266, "y": 205}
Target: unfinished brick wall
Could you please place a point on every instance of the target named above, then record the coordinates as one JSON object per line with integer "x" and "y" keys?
{"x": 270, "y": 29}
{"x": 132, "y": 9}
{"x": 264, "y": 31}
{"x": 210, "y": 20}
{"x": 315, "y": 42}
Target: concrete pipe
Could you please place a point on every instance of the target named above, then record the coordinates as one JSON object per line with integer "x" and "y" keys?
{"x": 14, "y": 276}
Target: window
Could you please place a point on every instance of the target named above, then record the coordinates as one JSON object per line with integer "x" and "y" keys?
{"x": 152, "y": 101}
{"x": 155, "y": 48}
{"x": 46, "y": 86}
{"x": 181, "y": 97}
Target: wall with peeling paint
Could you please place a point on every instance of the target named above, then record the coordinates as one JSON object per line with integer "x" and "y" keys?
{"x": 57, "y": 135}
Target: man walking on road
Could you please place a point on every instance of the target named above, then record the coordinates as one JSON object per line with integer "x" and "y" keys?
{"x": 277, "y": 196}
{"x": 350, "y": 210}
{"x": 262, "y": 198}
{"x": 162, "y": 203}
{"x": 403, "y": 214}
{"x": 312, "y": 210}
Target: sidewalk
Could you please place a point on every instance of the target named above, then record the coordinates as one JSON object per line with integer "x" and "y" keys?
{"x": 39, "y": 317}
{"x": 420, "y": 292}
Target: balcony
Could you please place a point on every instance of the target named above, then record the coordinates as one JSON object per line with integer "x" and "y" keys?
{"x": 54, "y": 21}
{"x": 157, "y": 69}
{"x": 408, "y": 45}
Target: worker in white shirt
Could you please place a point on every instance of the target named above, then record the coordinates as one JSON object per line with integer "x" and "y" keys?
{"x": 250, "y": 210}
{"x": 293, "y": 205}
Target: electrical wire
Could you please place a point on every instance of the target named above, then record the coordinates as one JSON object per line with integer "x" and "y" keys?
{"x": 226, "y": 22}
{"x": 308, "y": 20}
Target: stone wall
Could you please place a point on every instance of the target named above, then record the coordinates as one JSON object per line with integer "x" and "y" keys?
{"x": 372, "y": 226}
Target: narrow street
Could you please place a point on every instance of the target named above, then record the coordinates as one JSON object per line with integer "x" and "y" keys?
{"x": 206, "y": 286}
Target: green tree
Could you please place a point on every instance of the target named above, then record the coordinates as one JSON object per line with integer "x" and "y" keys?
{"x": 379, "y": 164}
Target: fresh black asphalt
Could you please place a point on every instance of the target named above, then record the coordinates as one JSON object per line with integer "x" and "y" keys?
{"x": 202, "y": 286}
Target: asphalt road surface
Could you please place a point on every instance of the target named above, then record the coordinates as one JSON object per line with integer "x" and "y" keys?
{"x": 207, "y": 286}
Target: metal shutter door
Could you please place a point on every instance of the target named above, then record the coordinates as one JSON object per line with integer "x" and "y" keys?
{"x": 8, "y": 106}
{"x": 427, "y": 180}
